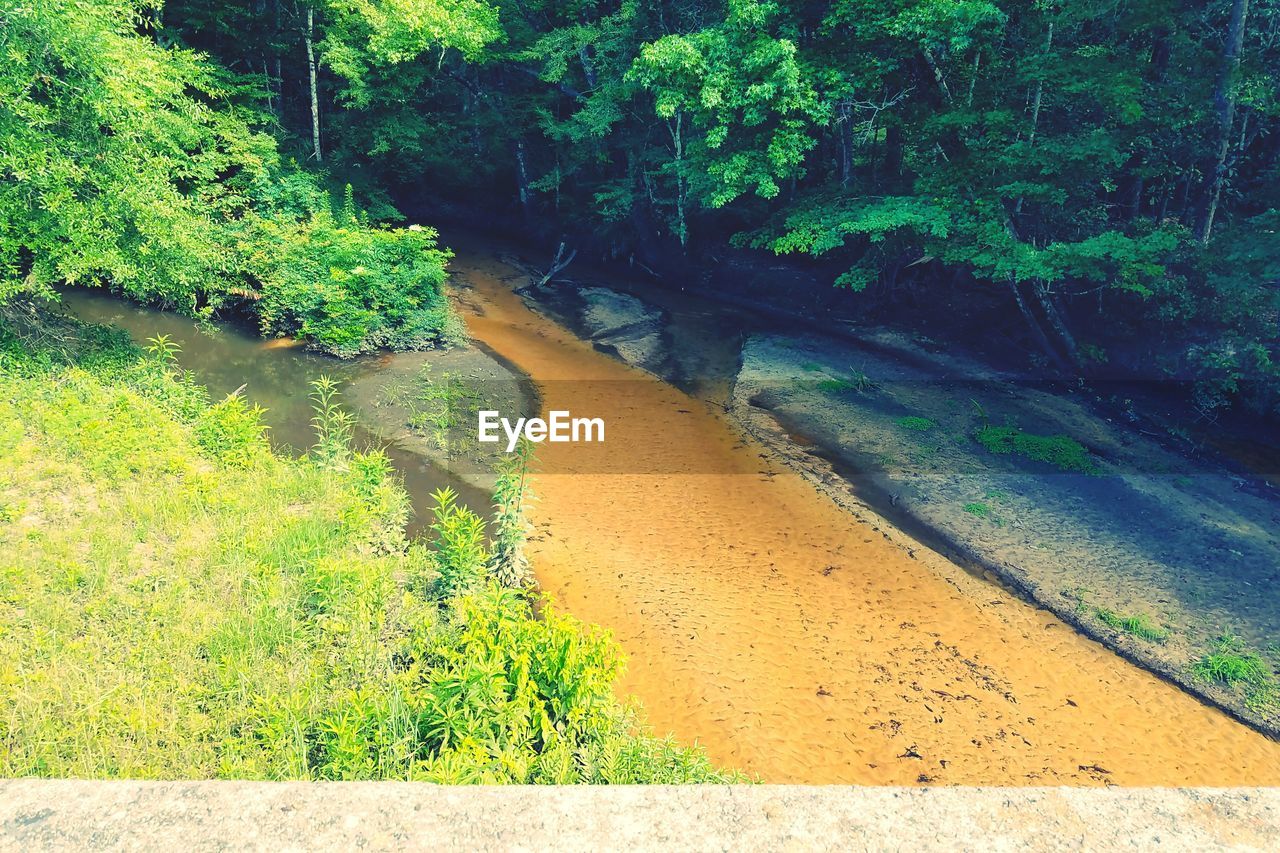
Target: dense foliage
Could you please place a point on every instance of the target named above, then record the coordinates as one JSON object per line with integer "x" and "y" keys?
{"x": 176, "y": 601}
{"x": 141, "y": 166}
{"x": 1104, "y": 172}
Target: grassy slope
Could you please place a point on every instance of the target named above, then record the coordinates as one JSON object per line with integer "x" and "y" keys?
{"x": 177, "y": 601}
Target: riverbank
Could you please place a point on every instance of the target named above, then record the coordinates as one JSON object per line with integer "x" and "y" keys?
{"x": 1164, "y": 560}
{"x": 1023, "y": 481}
{"x": 794, "y": 641}
{"x": 275, "y": 373}
{"x": 759, "y": 617}
{"x": 179, "y": 601}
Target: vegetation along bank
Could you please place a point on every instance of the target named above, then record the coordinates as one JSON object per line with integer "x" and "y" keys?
{"x": 1090, "y": 187}
{"x": 178, "y": 601}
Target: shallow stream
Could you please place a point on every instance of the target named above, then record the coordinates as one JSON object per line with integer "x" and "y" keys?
{"x": 790, "y": 639}
{"x": 277, "y": 375}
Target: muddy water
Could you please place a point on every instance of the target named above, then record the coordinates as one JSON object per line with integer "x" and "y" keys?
{"x": 276, "y": 374}
{"x": 790, "y": 640}
{"x": 795, "y": 642}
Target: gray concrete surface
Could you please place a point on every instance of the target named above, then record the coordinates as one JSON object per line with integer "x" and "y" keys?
{"x": 283, "y": 816}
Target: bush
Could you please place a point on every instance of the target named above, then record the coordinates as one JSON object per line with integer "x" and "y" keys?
{"x": 145, "y": 168}
{"x": 508, "y": 564}
{"x": 459, "y": 550}
{"x": 349, "y": 289}
{"x": 232, "y": 431}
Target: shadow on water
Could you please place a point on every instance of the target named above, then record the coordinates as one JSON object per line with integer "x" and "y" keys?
{"x": 276, "y": 374}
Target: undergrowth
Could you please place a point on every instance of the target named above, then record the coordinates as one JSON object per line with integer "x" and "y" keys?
{"x": 177, "y": 601}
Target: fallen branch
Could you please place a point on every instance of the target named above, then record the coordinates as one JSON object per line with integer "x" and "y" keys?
{"x": 557, "y": 266}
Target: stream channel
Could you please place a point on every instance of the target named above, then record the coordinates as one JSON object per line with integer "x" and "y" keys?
{"x": 761, "y": 620}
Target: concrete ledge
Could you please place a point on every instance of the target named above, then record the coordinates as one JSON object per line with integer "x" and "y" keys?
{"x": 197, "y": 816}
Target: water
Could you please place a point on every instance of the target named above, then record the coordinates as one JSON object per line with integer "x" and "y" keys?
{"x": 277, "y": 375}
{"x": 790, "y": 639}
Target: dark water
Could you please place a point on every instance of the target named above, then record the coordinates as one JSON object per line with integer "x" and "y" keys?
{"x": 277, "y": 375}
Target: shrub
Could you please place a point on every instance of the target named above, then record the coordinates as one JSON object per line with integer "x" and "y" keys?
{"x": 350, "y": 289}
{"x": 508, "y": 564}
{"x": 459, "y": 548}
{"x": 144, "y": 167}
{"x": 384, "y": 508}
{"x": 332, "y": 423}
{"x": 232, "y": 431}
{"x": 503, "y": 697}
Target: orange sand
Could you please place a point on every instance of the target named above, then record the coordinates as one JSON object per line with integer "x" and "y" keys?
{"x": 792, "y": 640}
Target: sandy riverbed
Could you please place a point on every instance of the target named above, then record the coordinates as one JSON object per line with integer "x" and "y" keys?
{"x": 794, "y": 641}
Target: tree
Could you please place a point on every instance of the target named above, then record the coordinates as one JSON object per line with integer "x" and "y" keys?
{"x": 140, "y": 167}
{"x": 1064, "y": 164}
{"x": 1224, "y": 104}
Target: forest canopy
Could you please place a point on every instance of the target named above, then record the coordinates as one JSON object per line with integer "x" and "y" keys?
{"x": 1104, "y": 172}
{"x": 130, "y": 161}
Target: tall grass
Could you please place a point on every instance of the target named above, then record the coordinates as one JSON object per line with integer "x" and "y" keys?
{"x": 176, "y": 601}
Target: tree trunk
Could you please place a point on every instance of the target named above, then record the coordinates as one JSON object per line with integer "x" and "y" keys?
{"x": 275, "y": 14}
{"x": 1059, "y": 326}
{"x": 1070, "y": 364}
{"x": 266, "y": 80}
{"x": 588, "y": 68}
{"x": 937, "y": 75}
{"x": 893, "y": 151}
{"x": 973, "y": 81}
{"x": 1224, "y": 105}
{"x": 677, "y": 139}
{"x": 844, "y": 119}
{"x": 1035, "y": 111}
{"x": 311, "y": 73}
{"x": 522, "y": 178}
{"x": 1037, "y": 331}
{"x": 1035, "y": 107}
{"x": 1135, "y": 198}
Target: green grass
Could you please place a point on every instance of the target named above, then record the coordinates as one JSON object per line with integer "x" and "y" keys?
{"x": 1138, "y": 626}
{"x": 983, "y": 510}
{"x": 1230, "y": 664}
{"x": 440, "y": 406}
{"x": 857, "y": 381}
{"x": 1060, "y": 451}
{"x": 176, "y": 601}
{"x": 836, "y": 386}
{"x": 916, "y": 424}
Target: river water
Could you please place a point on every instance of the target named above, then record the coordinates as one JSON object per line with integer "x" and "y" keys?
{"x": 276, "y": 374}
{"x": 789, "y": 639}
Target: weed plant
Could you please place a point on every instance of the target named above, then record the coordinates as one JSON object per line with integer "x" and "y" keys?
{"x": 177, "y": 601}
